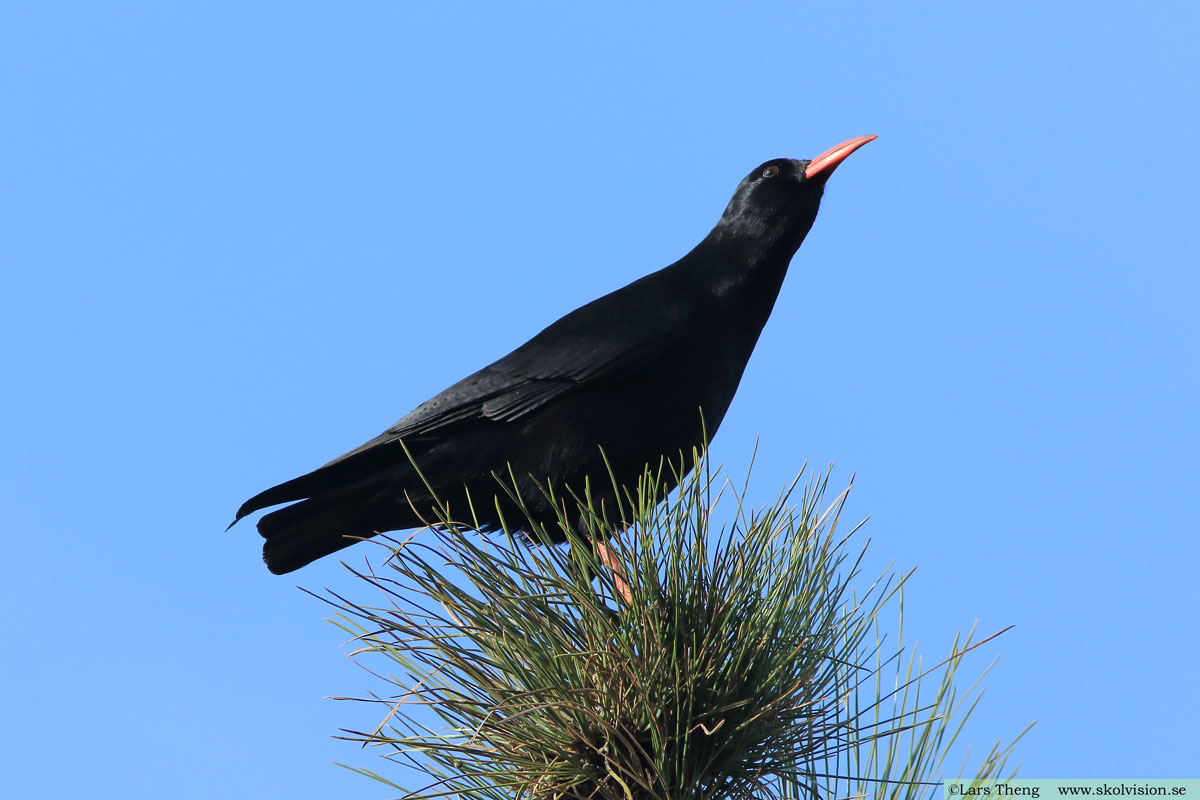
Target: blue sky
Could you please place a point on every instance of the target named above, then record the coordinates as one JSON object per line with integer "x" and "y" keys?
{"x": 241, "y": 238}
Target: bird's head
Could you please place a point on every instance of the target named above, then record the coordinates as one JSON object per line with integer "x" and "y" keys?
{"x": 776, "y": 204}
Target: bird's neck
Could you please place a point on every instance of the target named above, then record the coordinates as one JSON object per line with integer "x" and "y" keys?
{"x": 746, "y": 268}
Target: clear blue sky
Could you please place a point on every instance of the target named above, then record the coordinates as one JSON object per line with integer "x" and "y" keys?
{"x": 240, "y": 238}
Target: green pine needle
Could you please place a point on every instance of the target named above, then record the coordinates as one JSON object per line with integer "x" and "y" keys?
{"x": 745, "y": 665}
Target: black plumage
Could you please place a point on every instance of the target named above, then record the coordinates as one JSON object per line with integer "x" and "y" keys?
{"x": 632, "y": 374}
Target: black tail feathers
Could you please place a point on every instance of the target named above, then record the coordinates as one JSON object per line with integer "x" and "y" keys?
{"x": 300, "y": 534}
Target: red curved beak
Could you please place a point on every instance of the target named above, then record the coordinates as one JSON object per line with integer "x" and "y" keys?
{"x": 828, "y": 161}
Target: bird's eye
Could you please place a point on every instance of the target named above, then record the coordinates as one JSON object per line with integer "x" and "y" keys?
{"x": 770, "y": 172}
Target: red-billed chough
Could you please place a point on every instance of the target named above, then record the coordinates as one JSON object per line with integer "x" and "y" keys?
{"x": 638, "y": 374}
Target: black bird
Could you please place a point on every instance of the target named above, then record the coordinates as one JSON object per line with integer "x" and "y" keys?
{"x": 632, "y": 375}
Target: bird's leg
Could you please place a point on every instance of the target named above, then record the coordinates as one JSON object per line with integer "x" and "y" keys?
{"x": 609, "y": 559}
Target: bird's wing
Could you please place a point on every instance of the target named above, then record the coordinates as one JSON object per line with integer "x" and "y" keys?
{"x": 535, "y": 375}
{"x": 605, "y": 340}
{"x": 599, "y": 342}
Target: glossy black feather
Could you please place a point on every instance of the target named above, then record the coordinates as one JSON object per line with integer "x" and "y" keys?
{"x": 633, "y": 373}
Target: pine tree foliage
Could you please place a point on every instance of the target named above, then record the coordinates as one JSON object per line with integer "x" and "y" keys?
{"x": 746, "y": 660}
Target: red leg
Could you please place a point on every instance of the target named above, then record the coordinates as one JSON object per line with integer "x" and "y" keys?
{"x": 609, "y": 559}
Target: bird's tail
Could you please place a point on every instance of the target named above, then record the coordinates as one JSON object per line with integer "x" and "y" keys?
{"x": 345, "y": 473}
{"x": 301, "y": 533}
